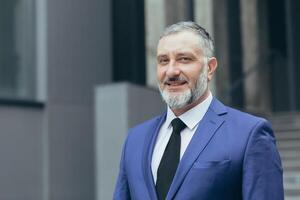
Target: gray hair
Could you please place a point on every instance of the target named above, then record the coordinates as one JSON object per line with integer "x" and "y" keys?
{"x": 206, "y": 42}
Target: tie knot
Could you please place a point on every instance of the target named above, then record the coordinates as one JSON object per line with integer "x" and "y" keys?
{"x": 178, "y": 125}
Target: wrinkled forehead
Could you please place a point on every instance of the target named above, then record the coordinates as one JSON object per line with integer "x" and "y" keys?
{"x": 179, "y": 42}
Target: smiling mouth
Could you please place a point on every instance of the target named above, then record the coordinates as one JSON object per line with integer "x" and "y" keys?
{"x": 174, "y": 85}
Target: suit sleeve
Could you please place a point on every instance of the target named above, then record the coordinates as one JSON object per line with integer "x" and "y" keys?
{"x": 262, "y": 170}
{"x": 122, "y": 191}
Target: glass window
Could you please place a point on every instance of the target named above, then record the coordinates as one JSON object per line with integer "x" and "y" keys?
{"x": 17, "y": 49}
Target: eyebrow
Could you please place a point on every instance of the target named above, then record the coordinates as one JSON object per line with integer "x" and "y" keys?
{"x": 161, "y": 56}
{"x": 185, "y": 53}
{"x": 177, "y": 54}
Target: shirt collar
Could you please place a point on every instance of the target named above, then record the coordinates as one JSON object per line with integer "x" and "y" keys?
{"x": 193, "y": 116}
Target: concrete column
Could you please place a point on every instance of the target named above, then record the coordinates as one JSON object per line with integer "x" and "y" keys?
{"x": 118, "y": 107}
{"x": 178, "y": 11}
{"x": 254, "y": 35}
{"x": 155, "y": 24}
{"x": 293, "y": 49}
{"x": 203, "y": 15}
{"x": 78, "y": 59}
{"x": 220, "y": 28}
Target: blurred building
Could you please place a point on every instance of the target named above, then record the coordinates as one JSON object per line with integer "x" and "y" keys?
{"x": 75, "y": 75}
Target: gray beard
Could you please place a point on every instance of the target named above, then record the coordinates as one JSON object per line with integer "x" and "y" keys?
{"x": 177, "y": 101}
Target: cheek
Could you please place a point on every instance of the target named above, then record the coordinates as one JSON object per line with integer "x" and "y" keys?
{"x": 192, "y": 76}
{"x": 160, "y": 74}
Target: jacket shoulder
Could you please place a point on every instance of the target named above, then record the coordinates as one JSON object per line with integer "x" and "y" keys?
{"x": 243, "y": 119}
{"x": 234, "y": 115}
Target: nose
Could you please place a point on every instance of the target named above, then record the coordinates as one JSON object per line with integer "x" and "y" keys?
{"x": 172, "y": 70}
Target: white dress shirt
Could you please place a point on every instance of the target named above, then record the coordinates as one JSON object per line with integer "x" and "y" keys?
{"x": 191, "y": 118}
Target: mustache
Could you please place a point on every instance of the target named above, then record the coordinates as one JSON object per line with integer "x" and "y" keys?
{"x": 175, "y": 79}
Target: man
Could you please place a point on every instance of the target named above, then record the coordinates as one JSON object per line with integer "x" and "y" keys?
{"x": 199, "y": 148}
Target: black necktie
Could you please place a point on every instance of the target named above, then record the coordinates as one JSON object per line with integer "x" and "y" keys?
{"x": 169, "y": 161}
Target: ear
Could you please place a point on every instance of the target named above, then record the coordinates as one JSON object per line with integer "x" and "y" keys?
{"x": 212, "y": 66}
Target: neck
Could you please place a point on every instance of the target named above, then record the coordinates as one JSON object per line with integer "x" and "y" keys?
{"x": 184, "y": 109}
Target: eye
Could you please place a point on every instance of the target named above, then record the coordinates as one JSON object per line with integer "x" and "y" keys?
{"x": 163, "y": 61}
{"x": 184, "y": 59}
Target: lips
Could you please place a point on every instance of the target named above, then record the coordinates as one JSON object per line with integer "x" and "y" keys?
{"x": 175, "y": 83}
{"x": 175, "y": 86}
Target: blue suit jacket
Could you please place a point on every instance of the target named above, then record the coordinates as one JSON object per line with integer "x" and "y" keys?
{"x": 232, "y": 155}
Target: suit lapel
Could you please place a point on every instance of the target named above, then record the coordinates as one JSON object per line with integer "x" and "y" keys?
{"x": 204, "y": 133}
{"x": 147, "y": 154}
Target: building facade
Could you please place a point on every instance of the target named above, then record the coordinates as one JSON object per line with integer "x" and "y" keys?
{"x": 75, "y": 75}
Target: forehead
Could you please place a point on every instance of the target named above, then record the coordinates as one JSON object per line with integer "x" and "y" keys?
{"x": 179, "y": 42}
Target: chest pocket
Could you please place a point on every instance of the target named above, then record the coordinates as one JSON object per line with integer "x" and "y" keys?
{"x": 211, "y": 164}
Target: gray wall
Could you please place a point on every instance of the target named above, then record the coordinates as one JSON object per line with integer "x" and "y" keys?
{"x": 118, "y": 107}
{"x": 49, "y": 153}
{"x": 78, "y": 59}
{"x": 21, "y": 152}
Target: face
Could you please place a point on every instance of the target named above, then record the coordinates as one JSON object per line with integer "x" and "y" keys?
{"x": 182, "y": 71}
